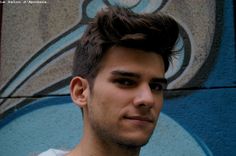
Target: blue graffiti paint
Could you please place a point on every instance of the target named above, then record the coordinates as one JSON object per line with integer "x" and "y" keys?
{"x": 56, "y": 123}
{"x": 207, "y": 114}
{"x": 42, "y": 58}
{"x": 146, "y": 6}
{"x": 93, "y": 7}
{"x": 224, "y": 72}
{"x": 210, "y": 113}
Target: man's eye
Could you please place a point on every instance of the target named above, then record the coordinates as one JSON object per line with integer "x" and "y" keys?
{"x": 157, "y": 86}
{"x": 125, "y": 82}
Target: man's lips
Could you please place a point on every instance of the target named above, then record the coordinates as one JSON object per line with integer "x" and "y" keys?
{"x": 140, "y": 118}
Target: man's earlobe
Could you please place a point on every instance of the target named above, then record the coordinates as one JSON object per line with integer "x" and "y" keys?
{"x": 79, "y": 91}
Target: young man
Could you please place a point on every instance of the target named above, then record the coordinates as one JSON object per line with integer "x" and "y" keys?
{"x": 119, "y": 79}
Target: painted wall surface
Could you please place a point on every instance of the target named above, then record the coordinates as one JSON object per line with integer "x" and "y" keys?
{"x": 37, "y": 45}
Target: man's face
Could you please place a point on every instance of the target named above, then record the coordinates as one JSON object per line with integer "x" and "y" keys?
{"x": 126, "y": 98}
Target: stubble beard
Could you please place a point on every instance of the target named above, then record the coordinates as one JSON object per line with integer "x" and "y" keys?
{"x": 109, "y": 136}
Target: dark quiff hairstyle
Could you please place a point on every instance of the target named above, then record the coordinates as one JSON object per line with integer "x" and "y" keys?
{"x": 118, "y": 26}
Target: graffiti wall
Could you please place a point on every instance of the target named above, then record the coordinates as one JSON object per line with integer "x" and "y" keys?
{"x": 38, "y": 39}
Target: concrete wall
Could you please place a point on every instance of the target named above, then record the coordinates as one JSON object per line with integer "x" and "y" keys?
{"x": 37, "y": 45}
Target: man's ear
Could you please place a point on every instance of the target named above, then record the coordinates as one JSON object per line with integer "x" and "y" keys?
{"x": 79, "y": 90}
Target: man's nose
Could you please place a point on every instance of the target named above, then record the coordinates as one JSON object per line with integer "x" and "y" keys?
{"x": 144, "y": 97}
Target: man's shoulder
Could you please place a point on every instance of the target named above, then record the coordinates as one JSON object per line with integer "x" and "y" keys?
{"x": 54, "y": 152}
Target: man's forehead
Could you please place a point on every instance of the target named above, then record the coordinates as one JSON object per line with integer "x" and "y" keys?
{"x": 128, "y": 60}
{"x": 128, "y": 51}
{"x": 127, "y": 54}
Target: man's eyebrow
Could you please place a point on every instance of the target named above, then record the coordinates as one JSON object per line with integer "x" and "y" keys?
{"x": 125, "y": 73}
{"x": 162, "y": 80}
{"x": 136, "y": 75}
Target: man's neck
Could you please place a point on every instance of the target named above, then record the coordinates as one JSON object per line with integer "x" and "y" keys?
{"x": 91, "y": 147}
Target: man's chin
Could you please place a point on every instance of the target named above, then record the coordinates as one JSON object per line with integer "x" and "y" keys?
{"x": 133, "y": 143}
